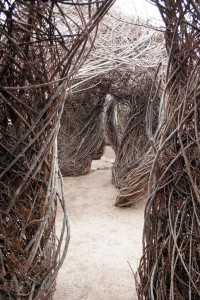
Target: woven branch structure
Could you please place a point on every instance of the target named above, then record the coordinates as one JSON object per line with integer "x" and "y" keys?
{"x": 132, "y": 139}
{"x": 120, "y": 66}
{"x": 170, "y": 265}
{"x": 42, "y": 45}
{"x": 81, "y": 136}
{"x": 123, "y": 46}
{"x": 133, "y": 54}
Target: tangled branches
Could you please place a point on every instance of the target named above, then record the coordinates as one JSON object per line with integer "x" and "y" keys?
{"x": 81, "y": 136}
{"x": 42, "y": 44}
{"x": 126, "y": 131}
{"x": 128, "y": 57}
{"x": 170, "y": 265}
{"x": 121, "y": 47}
{"x": 131, "y": 51}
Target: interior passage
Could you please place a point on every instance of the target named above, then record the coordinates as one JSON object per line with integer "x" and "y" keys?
{"x": 104, "y": 239}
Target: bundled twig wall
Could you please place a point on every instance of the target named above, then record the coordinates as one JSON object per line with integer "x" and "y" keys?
{"x": 42, "y": 45}
{"x": 133, "y": 97}
{"x": 133, "y": 142}
{"x": 81, "y": 136}
{"x": 170, "y": 265}
{"x": 116, "y": 60}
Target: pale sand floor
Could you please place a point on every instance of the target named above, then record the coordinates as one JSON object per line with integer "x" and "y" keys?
{"x": 104, "y": 239}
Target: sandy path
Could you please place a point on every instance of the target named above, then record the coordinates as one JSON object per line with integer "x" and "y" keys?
{"x": 103, "y": 239}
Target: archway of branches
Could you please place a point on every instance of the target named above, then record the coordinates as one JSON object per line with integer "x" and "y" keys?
{"x": 151, "y": 119}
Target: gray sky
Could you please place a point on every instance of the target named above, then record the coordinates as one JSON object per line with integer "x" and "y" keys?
{"x": 140, "y": 8}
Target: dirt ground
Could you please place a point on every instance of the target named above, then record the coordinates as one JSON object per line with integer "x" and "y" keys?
{"x": 104, "y": 239}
